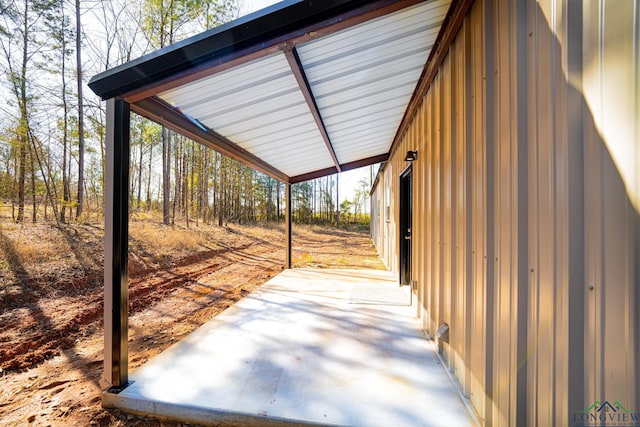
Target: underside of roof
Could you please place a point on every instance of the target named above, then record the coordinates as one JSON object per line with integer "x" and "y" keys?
{"x": 299, "y": 90}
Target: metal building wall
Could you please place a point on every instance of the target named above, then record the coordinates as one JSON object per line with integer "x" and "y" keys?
{"x": 377, "y": 220}
{"x": 526, "y": 208}
{"x": 610, "y": 101}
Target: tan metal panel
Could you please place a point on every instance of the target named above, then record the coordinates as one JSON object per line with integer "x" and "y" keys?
{"x": 619, "y": 73}
{"x": 516, "y": 136}
{"x": 505, "y": 215}
{"x": 555, "y": 234}
{"x": 533, "y": 327}
{"x": 418, "y": 264}
{"x": 561, "y": 190}
{"x": 437, "y": 203}
{"x": 418, "y": 233}
{"x": 542, "y": 249}
{"x": 420, "y": 188}
{"x": 446, "y": 215}
{"x": 509, "y": 260}
{"x": 425, "y": 238}
{"x": 573, "y": 390}
{"x": 429, "y": 213}
{"x": 612, "y": 91}
{"x": 392, "y": 239}
{"x": 460, "y": 328}
{"x": 477, "y": 362}
{"x": 593, "y": 198}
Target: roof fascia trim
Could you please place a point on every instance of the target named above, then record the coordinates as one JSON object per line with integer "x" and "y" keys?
{"x": 239, "y": 41}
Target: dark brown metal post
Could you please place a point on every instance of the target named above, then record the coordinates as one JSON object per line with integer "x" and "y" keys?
{"x": 116, "y": 233}
{"x": 287, "y": 244}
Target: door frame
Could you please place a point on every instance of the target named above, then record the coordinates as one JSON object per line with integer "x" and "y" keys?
{"x": 405, "y": 226}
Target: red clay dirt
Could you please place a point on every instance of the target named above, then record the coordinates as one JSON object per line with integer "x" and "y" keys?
{"x": 51, "y": 302}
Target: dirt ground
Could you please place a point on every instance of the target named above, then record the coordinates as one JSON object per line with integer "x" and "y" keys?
{"x": 51, "y": 302}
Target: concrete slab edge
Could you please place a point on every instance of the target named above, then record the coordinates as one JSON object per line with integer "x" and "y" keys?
{"x": 194, "y": 414}
{"x": 466, "y": 402}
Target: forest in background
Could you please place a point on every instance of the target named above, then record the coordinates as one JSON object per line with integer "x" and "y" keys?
{"x": 52, "y": 129}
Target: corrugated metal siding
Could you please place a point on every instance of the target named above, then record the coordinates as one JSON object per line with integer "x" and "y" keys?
{"x": 544, "y": 249}
{"x": 446, "y": 217}
{"x": 611, "y": 81}
{"x": 526, "y": 213}
{"x": 461, "y": 321}
{"x": 477, "y": 363}
{"x": 506, "y": 64}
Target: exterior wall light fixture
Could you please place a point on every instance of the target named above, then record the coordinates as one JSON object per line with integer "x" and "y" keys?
{"x": 411, "y": 156}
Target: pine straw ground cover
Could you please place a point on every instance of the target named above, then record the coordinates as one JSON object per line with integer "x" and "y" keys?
{"x": 51, "y": 301}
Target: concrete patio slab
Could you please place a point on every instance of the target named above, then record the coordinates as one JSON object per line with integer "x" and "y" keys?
{"x": 325, "y": 347}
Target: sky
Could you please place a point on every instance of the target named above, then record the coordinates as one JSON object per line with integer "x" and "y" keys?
{"x": 249, "y": 6}
{"x": 348, "y": 180}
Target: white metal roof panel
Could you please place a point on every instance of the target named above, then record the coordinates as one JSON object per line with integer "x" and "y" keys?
{"x": 361, "y": 78}
{"x": 258, "y": 106}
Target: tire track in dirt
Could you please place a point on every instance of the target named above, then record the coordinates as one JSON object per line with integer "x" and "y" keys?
{"x": 145, "y": 289}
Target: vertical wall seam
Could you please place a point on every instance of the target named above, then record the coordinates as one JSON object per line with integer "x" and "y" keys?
{"x": 489, "y": 182}
{"x": 521, "y": 415}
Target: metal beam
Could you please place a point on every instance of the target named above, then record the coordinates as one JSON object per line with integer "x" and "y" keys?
{"x": 116, "y": 229}
{"x": 298, "y": 71}
{"x": 344, "y": 167}
{"x": 164, "y": 114}
{"x": 287, "y": 227}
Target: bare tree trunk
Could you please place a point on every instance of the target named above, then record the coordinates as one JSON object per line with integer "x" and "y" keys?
{"x": 216, "y": 185}
{"x": 140, "y": 167}
{"x": 222, "y": 196}
{"x": 166, "y": 175}
{"x": 269, "y": 199}
{"x": 34, "y": 201}
{"x": 14, "y": 190}
{"x": 66, "y": 191}
{"x": 149, "y": 177}
{"x": 46, "y": 177}
{"x": 192, "y": 180}
{"x": 81, "y": 150}
{"x": 65, "y": 179}
{"x": 102, "y": 155}
{"x": 313, "y": 199}
{"x": 24, "y": 122}
{"x": 21, "y": 178}
{"x": 204, "y": 186}
{"x": 278, "y": 200}
{"x": 177, "y": 176}
{"x": 237, "y": 204}
{"x": 185, "y": 183}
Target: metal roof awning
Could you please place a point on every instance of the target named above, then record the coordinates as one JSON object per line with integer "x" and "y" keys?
{"x": 299, "y": 90}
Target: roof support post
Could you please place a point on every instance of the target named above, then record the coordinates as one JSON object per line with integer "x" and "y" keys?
{"x": 116, "y": 232}
{"x": 287, "y": 227}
